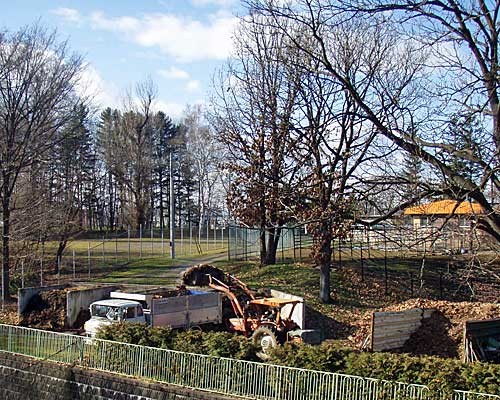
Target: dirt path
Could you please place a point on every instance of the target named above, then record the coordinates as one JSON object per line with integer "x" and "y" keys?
{"x": 175, "y": 272}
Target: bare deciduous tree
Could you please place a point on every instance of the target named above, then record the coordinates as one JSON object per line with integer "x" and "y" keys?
{"x": 412, "y": 101}
{"x": 253, "y": 112}
{"x": 37, "y": 93}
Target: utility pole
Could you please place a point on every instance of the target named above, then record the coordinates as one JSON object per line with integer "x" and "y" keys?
{"x": 172, "y": 209}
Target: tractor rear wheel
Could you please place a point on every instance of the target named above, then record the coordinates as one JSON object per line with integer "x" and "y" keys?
{"x": 264, "y": 339}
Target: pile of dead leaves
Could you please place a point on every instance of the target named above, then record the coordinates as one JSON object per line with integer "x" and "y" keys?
{"x": 442, "y": 333}
{"x": 9, "y": 316}
{"x": 46, "y": 309}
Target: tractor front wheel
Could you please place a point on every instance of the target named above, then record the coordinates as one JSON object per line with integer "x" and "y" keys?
{"x": 264, "y": 339}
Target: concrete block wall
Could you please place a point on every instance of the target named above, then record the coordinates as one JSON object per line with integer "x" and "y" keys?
{"x": 26, "y": 378}
{"x": 25, "y": 295}
{"x": 77, "y": 300}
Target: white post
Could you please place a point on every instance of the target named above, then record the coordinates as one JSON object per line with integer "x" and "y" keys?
{"x": 152, "y": 249}
{"x": 162, "y": 241}
{"x": 128, "y": 242}
{"x": 190, "y": 237}
{"x": 88, "y": 254}
{"x": 182, "y": 237}
{"x": 208, "y": 226}
{"x": 74, "y": 265}
{"x": 140, "y": 241}
{"x": 172, "y": 209}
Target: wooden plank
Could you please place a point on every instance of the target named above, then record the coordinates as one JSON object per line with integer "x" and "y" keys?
{"x": 391, "y": 330}
{"x": 380, "y": 314}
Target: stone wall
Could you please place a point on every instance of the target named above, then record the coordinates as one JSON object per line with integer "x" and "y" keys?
{"x": 25, "y": 378}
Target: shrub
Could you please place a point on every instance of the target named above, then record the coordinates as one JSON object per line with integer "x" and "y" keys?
{"x": 219, "y": 344}
{"x": 437, "y": 373}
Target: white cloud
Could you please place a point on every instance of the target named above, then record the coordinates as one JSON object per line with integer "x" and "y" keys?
{"x": 172, "y": 109}
{"x": 102, "y": 93}
{"x": 193, "y": 86}
{"x": 68, "y": 14}
{"x": 180, "y": 37}
{"x": 173, "y": 73}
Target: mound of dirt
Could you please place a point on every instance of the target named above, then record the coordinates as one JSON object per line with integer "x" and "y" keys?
{"x": 46, "y": 310}
{"x": 442, "y": 333}
{"x": 198, "y": 275}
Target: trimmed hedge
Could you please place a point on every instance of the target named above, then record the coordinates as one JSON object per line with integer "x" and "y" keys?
{"x": 218, "y": 344}
{"x": 437, "y": 373}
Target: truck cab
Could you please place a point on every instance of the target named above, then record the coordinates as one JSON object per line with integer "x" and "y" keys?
{"x": 107, "y": 312}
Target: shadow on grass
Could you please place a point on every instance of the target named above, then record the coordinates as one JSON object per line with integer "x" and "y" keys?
{"x": 329, "y": 327}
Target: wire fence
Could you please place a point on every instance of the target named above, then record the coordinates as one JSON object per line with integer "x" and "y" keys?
{"x": 213, "y": 374}
{"x": 361, "y": 241}
{"x": 244, "y": 243}
{"x": 96, "y": 251}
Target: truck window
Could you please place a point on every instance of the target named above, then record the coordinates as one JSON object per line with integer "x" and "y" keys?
{"x": 140, "y": 313}
{"x": 99, "y": 310}
{"x": 130, "y": 312}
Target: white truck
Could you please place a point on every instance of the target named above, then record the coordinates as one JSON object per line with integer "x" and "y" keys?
{"x": 194, "y": 308}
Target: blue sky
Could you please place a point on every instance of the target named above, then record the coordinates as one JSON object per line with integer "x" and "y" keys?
{"x": 179, "y": 44}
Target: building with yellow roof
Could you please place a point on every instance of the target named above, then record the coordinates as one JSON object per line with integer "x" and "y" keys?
{"x": 436, "y": 213}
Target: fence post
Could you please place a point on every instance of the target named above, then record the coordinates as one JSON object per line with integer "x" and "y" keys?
{"x": 182, "y": 236}
{"x": 385, "y": 261}
{"x": 140, "y": 241}
{"x": 74, "y": 265}
{"x": 88, "y": 254}
{"x": 162, "y": 238}
{"x": 190, "y": 237}
{"x": 362, "y": 261}
{"x": 208, "y": 226}
{"x": 300, "y": 244}
{"x": 128, "y": 237}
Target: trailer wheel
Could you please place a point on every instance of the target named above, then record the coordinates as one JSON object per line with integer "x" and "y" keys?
{"x": 264, "y": 339}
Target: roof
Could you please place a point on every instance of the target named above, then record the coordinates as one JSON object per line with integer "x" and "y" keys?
{"x": 116, "y": 302}
{"x": 445, "y": 207}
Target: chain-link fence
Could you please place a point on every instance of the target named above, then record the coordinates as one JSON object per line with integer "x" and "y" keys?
{"x": 244, "y": 242}
{"x": 95, "y": 252}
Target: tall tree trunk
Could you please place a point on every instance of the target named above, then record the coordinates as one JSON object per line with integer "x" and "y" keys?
{"x": 140, "y": 215}
{"x": 272, "y": 245}
{"x": 323, "y": 258}
{"x": 5, "y": 243}
{"x": 263, "y": 247}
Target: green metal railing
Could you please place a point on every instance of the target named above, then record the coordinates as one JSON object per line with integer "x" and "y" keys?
{"x": 220, "y": 375}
